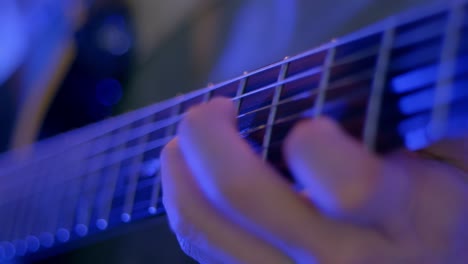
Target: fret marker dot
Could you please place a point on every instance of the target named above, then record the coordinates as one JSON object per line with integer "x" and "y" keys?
{"x": 33, "y": 243}
{"x": 9, "y": 250}
{"x": 101, "y": 224}
{"x": 81, "y": 230}
{"x": 46, "y": 239}
{"x": 125, "y": 217}
{"x": 63, "y": 235}
{"x": 152, "y": 210}
{"x": 21, "y": 247}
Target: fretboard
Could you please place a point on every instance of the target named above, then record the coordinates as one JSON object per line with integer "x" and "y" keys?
{"x": 401, "y": 83}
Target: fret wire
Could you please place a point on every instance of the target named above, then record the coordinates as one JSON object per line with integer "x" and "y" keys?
{"x": 153, "y": 203}
{"x": 131, "y": 189}
{"x": 40, "y": 180}
{"x": 154, "y": 144}
{"x": 137, "y": 133}
{"x": 96, "y": 130}
{"x": 167, "y": 122}
{"x": 132, "y": 186}
{"x": 87, "y": 197}
{"x": 52, "y": 201}
{"x": 69, "y": 204}
{"x": 21, "y": 210}
{"x": 140, "y": 132}
{"x": 446, "y": 74}
{"x": 176, "y": 112}
{"x": 377, "y": 89}
{"x": 273, "y": 109}
{"x": 324, "y": 82}
{"x": 438, "y": 86}
{"x": 239, "y": 94}
{"x": 207, "y": 96}
{"x": 107, "y": 193}
{"x": 39, "y": 177}
{"x": 58, "y": 195}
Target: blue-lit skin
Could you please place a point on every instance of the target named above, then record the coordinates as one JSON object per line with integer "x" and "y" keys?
{"x": 81, "y": 230}
{"x": 33, "y": 243}
{"x": 63, "y": 235}
{"x": 355, "y": 207}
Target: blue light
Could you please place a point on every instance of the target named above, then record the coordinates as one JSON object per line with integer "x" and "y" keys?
{"x": 417, "y": 139}
{"x": 109, "y": 92}
{"x": 13, "y": 37}
{"x": 114, "y": 36}
{"x": 152, "y": 210}
{"x": 101, "y": 224}
{"x": 63, "y": 235}
{"x": 415, "y": 79}
{"x": 425, "y": 100}
{"x": 46, "y": 239}
{"x": 125, "y": 217}
{"x": 81, "y": 230}
{"x": 150, "y": 167}
{"x": 33, "y": 243}
{"x": 417, "y": 102}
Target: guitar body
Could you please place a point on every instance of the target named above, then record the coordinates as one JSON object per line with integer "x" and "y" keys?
{"x": 109, "y": 210}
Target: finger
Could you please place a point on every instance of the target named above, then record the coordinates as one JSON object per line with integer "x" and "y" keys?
{"x": 203, "y": 232}
{"x": 340, "y": 175}
{"x": 453, "y": 151}
{"x": 246, "y": 189}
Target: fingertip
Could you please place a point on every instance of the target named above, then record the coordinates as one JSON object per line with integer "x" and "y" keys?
{"x": 204, "y": 116}
{"x": 310, "y": 130}
{"x": 170, "y": 151}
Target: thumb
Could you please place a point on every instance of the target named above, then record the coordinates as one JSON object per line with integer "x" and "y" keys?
{"x": 340, "y": 175}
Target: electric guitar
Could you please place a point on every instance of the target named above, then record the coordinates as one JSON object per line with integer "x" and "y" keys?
{"x": 400, "y": 83}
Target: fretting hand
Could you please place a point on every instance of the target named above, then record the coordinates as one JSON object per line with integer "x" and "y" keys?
{"x": 228, "y": 206}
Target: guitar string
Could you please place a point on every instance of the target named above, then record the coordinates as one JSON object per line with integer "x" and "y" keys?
{"x": 161, "y": 142}
{"x": 103, "y": 142}
{"x": 296, "y": 58}
{"x": 140, "y": 202}
{"x": 446, "y": 72}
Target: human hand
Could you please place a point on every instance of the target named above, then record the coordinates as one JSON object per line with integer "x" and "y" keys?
{"x": 228, "y": 206}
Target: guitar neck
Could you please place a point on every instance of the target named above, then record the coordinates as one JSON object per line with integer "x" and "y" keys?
{"x": 401, "y": 83}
